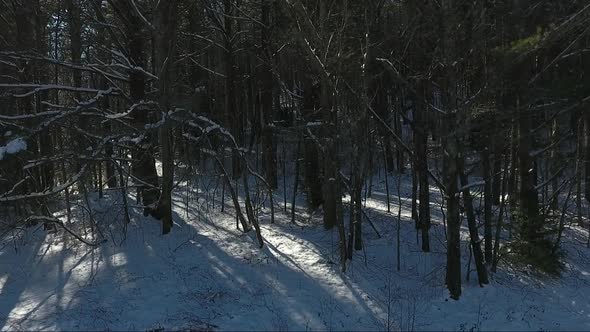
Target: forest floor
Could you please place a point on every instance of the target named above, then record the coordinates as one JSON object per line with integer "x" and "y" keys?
{"x": 206, "y": 275}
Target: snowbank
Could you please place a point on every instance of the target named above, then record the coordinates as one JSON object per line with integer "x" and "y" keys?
{"x": 13, "y": 147}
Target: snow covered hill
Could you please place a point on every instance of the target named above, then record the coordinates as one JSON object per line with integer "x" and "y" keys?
{"x": 207, "y": 275}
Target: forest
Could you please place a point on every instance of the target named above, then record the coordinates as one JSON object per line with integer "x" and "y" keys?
{"x": 284, "y": 165}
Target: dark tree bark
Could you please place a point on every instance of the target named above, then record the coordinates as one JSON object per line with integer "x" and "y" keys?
{"x": 415, "y": 194}
{"x": 488, "y": 201}
{"x": 143, "y": 166}
{"x": 587, "y": 153}
{"x": 512, "y": 186}
{"x": 330, "y": 195}
{"x": 312, "y": 181}
{"x": 25, "y": 22}
{"x": 453, "y": 275}
{"x": 555, "y": 164}
{"x": 296, "y": 180}
{"x": 378, "y": 88}
{"x": 496, "y": 254}
{"x": 531, "y": 223}
{"x": 482, "y": 273}
{"x": 46, "y": 145}
{"x": 266, "y": 98}
{"x": 498, "y": 145}
{"x": 232, "y": 115}
{"x": 165, "y": 36}
{"x": 356, "y": 196}
{"x": 75, "y": 34}
{"x": 421, "y": 143}
{"x": 311, "y": 162}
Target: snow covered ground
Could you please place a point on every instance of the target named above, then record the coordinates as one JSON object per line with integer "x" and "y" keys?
{"x": 206, "y": 275}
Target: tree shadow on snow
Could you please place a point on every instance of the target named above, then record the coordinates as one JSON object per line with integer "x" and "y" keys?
{"x": 203, "y": 275}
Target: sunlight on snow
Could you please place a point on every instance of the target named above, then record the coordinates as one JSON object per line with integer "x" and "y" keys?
{"x": 3, "y": 280}
{"x": 118, "y": 259}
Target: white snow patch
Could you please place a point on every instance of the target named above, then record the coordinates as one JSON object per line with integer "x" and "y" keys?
{"x": 3, "y": 280}
{"x": 13, "y": 147}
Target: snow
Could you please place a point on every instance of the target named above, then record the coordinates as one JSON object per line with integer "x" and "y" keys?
{"x": 134, "y": 140}
{"x": 208, "y": 275}
{"x": 13, "y": 147}
{"x": 472, "y": 185}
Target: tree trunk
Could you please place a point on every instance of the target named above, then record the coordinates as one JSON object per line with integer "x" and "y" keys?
{"x": 415, "y": 193}
{"x": 531, "y": 224}
{"x": 46, "y": 171}
{"x": 25, "y": 37}
{"x": 496, "y": 255}
{"x": 143, "y": 165}
{"x": 587, "y": 154}
{"x": 579, "y": 169}
{"x": 421, "y": 137}
{"x": 498, "y": 145}
{"x": 554, "y": 160}
{"x": 453, "y": 275}
{"x": 357, "y": 206}
{"x": 513, "y": 178}
{"x": 231, "y": 112}
{"x": 482, "y": 273}
{"x": 266, "y": 100}
{"x": 296, "y": 180}
{"x": 311, "y": 174}
{"x": 165, "y": 48}
{"x": 330, "y": 158}
{"x": 488, "y": 178}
